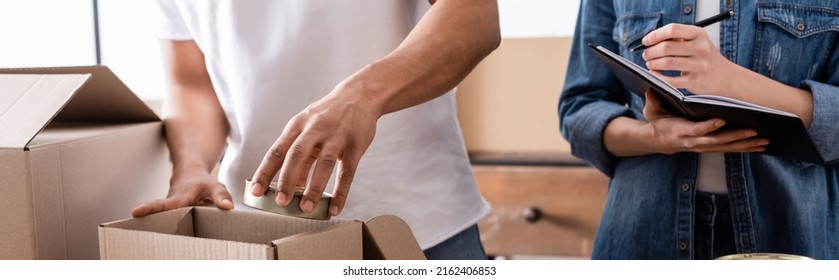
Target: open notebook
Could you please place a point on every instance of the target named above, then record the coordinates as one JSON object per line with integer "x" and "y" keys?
{"x": 788, "y": 137}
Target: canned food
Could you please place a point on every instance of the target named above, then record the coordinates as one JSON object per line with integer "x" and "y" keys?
{"x": 268, "y": 203}
{"x": 763, "y": 256}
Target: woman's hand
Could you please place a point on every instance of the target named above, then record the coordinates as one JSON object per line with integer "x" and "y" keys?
{"x": 668, "y": 134}
{"x": 687, "y": 48}
{"x": 674, "y": 134}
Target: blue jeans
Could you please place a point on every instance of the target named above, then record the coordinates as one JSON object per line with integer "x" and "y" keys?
{"x": 713, "y": 232}
{"x": 465, "y": 245}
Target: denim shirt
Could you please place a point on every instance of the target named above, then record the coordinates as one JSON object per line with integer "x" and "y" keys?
{"x": 778, "y": 205}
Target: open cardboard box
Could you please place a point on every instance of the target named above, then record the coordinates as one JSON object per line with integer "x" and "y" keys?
{"x": 209, "y": 233}
{"x": 77, "y": 148}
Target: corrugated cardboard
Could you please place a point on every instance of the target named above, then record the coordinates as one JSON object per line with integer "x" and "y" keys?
{"x": 194, "y": 233}
{"x": 77, "y": 149}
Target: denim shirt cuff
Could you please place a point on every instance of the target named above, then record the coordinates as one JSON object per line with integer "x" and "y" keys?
{"x": 587, "y": 137}
{"x": 825, "y": 117}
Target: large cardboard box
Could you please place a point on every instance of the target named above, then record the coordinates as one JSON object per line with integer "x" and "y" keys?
{"x": 77, "y": 148}
{"x": 194, "y": 233}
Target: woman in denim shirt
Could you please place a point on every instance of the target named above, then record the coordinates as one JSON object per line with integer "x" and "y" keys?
{"x": 778, "y": 54}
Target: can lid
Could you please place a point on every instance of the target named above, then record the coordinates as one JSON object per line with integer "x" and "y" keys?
{"x": 763, "y": 256}
{"x": 267, "y": 202}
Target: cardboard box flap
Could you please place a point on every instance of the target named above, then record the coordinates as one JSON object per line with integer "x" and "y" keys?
{"x": 388, "y": 237}
{"x": 339, "y": 242}
{"x": 105, "y": 98}
{"x": 175, "y": 235}
{"x": 29, "y": 102}
{"x": 292, "y": 238}
{"x": 178, "y": 222}
{"x": 124, "y": 244}
{"x": 263, "y": 227}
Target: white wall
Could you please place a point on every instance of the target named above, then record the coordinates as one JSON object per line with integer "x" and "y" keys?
{"x": 46, "y": 33}
{"x": 60, "y": 32}
{"x": 537, "y": 18}
{"x": 130, "y": 46}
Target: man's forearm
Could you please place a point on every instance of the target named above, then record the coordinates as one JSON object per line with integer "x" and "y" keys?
{"x": 446, "y": 44}
{"x": 196, "y": 127}
{"x": 196, "y": 130}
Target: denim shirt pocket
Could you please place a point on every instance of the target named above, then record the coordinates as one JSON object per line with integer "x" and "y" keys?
{"x": 628, "y": 31}
{"x": 794, "y": 40}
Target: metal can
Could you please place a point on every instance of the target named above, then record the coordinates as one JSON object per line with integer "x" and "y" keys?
{"x": 763, "y": 256}
{"x": 267, "y": 202}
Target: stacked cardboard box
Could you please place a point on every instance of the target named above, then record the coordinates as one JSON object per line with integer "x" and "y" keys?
{"x": 77, "y": 148}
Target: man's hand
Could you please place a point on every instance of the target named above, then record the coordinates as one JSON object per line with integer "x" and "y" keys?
{"x": 197, "y": 189}
{"x": 336, "y": 130}
{"x": 447, "y": 43}
{"x": 196, "y": 128}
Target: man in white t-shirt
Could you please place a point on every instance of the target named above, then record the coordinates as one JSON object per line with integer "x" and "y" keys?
{"x": 285, "y": 88}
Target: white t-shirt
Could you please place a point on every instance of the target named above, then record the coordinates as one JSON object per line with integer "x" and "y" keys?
{"x": 269, "y": 59}
{"x": 711, "y": 173}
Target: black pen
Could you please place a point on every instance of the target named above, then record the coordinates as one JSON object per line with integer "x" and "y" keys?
{"x": 701, "y": 23}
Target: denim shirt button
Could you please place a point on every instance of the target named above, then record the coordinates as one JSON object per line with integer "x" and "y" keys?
{"x": 685, "y": 187}
{"x": 683, "y": 246}
{"x": 800, "y": 26}
{"x": 687, "y": 10}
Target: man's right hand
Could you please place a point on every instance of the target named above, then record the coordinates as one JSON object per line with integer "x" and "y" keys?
{"x": 198, "y": 189}
{"x": 195, "y": 128}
